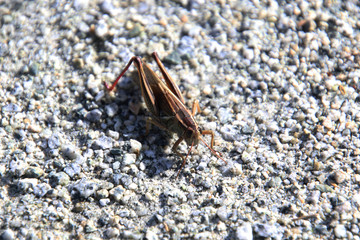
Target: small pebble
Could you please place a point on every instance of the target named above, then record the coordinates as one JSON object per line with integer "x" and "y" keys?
{"x": 7, "y": 234}
{"x": 111, "y": 109}
{"x": 117, "y": 193}
{"x": 128, "y": 159}
{"x": 81, "y": 4}
{"x": 132, "y": 235}
{"x": 11, "y": 107}
{"x": 222, "y": 213}
{"x": 104, "y": 202}
{"x": 244, "y": 232}
{"x": 268, "y": 230}
{"x": 135, "y": 31}
{"x": 107, "y": 7}
{"x": 112, "y": 232}
{"x": 103, "y": 142}
{"x": 90, "y": 227}
{"x": 41, "y": 189}
{"x": 70, "y": 152}
{"x": 101, "y": 29}
{"x": 61, "y": 178}
{"x": 340, "y": 231}
{"x": 94, "y": 115}
{"x": 34, "y": 128}
{"x": 339, "y": 177}
{"x": 72, "y": 170}
{"x": 34, "y": 69}
{"x": 54, "y": 141}
{"x": 224, "y": 115}
{"x": 173, "y": 58}
{"x": 135, "y": 146}
{"x": 85, "y": 188}
{"x": 34, "y": 172}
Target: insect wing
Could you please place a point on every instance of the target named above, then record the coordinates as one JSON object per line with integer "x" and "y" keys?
{"x": 146, "y": 88}
{"x": 168, "y": 79}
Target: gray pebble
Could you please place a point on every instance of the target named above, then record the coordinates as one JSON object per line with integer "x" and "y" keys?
{"x": 268, "y": 230}
{"x": 111, "y": 109}
{"x": 112, "y": 233}
{"x": 355, "y": 229}
{"x": 94, "y": 115}
{"x": 116, "y": 165}
{"x": 132, "y": 235}
{"x": 314, "y": 197}
{"x": 20, "y": 134}
{"x": 102, "y": 193}
{"x": 6, "y": 18}
{"x": 107, "y": 7}
{"x": 90, "y": 227}
{"x": 70, "y": 152}
{"x": 17, "y": 90}
{"x": 104, "y": 202}
{"x": 30, "y": 147}
{"x": 135, "y": 146}
{"x": 17, "y": 167}
{"x": 324, "y": 188}
{"x": 129, "y": 158}
{"x": 223, "y": 213}
{"x": 34, "y": 172}
{"x": 248, "y": 53}
{"x": 135, "y": 31}
{"x": 203, "y": 235}
{"x": 27, "y": 183}
{"x": 113, "y": 134}
{"x": 151, "y": 235}
{"x": 272, "y": 127}
{"x": 85, "y": 188}
{"x": 103, "y": 142}
{"x": 11, "y": 107}
{"x": 83, "y": 27}
{"x": 340, "y": 231}
{"x": 116, "y": 193}
{"x": 224, "y": 115}
{"x": 275, "y": 182}
{"x": 339, "y": 176}
{"x": 72, "y": 169}
{"x": 230, "y": 133}
{"x": 247, "y": 129}
{"x": 61, "y": 178}
{"x": 101, "y": 29}
{"x": 244, "y": 232}
{"x": 173, "y": 58}
{"x": 80, "y": 4}
{"x": 7, "y": 234}
{"x": 41, "y": 189}
{"x": 34, "y": 69}
{"x": 54, "y": 141}
{"x": 3, "y": 49}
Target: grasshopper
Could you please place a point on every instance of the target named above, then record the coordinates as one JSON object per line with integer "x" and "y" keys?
{"x": 167, "y": 106}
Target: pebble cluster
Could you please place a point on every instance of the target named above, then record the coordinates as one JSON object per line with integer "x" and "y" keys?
{"x": 278, "y": 81}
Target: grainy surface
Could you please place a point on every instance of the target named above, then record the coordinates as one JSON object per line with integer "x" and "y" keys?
{"x": 278, "y": 83}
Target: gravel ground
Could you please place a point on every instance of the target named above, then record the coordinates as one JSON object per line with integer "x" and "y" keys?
{"x": 277, "y": 82}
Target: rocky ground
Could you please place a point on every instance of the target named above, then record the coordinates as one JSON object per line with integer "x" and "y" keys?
{"x": 277, "y": 82}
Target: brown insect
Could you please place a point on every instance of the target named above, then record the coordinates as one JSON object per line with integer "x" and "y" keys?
{"x": 167, "y": 106}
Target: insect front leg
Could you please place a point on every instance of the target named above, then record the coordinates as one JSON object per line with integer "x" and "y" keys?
{"x": 209, "y": 132}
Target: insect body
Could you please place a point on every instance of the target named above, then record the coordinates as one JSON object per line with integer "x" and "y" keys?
{"x": 167, "y": 106}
